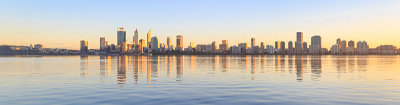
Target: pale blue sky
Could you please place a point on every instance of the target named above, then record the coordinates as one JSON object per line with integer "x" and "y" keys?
{"x": 62, "y": 23}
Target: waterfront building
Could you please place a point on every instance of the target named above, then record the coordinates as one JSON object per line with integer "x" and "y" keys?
{"x": 84, "y": 46}
{"x": 154, "y": 44}
{"x": 136, "y": 37}
{"x": 315, "y": 47}
{"x": 102, "y": 43}
{"x": 149, "y": 39}
{"x": 253, "y": 42}
{"x": 121, "y": 35}
{"x": 299, "y": 42}
{"x": 290, "y": 47}
{"x": 283, "y": 47}
{"x": 362, "y": 47}
{"x": 179, "y": 42}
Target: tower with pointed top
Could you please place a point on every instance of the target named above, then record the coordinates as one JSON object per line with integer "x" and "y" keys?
{"x": 149, "y": 39}
{"x": 136, "y": 37}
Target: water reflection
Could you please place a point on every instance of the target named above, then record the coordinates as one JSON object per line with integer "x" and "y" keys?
{"x": 152, "y": 67}
{"x": 84, "y": 65}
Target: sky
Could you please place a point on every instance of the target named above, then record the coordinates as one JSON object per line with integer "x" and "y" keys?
{"x": 63, "y": 23}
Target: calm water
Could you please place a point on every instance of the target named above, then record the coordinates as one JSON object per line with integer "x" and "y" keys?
{"x": 200, "y": 80}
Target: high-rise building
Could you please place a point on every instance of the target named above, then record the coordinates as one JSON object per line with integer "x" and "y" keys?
{"x": 154, "y": 43}
{"x": 262, "y": 46}
{"x": 179, "y": 42}
{"x": 343, "y": 46}
{"x": 124, "y": 47}
{"x": 299, "y": 42}
{"x": 121, "y": 35}
{"x": 142, "y": 43}
{"x": 102, "y": 43}
{"x": 351, "y": 44}
{"x": 339, "y": 43}
{"x": 362, "y": 47}
{"x": 315, "y": 46}
{"x": 243, "y": 47}
{"x": 283, "y": 48}
{"x": 305, "y": 48}
{"x": 84, "y": 46}
{"x": 149, "y": 39}
{"x": 253, "y": 42}
{"x": 214, "y": 46}
{"x": 224, "y": 46}
{"x": 136, "y": 38}
{"x": 290, "y": 47}
{"x": 169, "y": 42}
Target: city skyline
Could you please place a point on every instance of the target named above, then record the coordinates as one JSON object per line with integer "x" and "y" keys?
{"x": 63, "y": 27}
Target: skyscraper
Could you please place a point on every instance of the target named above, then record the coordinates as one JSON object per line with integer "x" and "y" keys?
{"x": 149, "y": 39}
{"x": 121, "y": 35}
{"x": 154, "y": 43}
{"x": 136, "y": 37}
{"x": 102, "y": 43}
{"x": 169, "y": 41}
{"x": 84, "y": 46}
{"x": 351, "y": 44}
{"x": 277, "y": 46}
{"x": 253, "y": 43}
{"x": 142, "y": 43}
{"x": 214, "y": 46}
{"x": 305, "y": 48}
{"x": 299, "y": 42}
{"x": 283, "y": 48}
{"x": 224, "y": 45}
{"x": 179, "y": 42}
{"x": 343, "y": 46}
{"x": 315, "y": 46}
{"x": 290, "y": 47}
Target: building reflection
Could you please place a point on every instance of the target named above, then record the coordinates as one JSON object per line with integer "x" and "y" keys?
{"x": 105, "y": 66}
{"x": 316, "y": 68}
{"x": 299, "y": 67}
{"x": 169, "y": 65}
{"x": 362, "y": 62}
{"x": 290, "y": 63}
{"x": 192, "y": 63}
{"x": 135, "y": 68}
{"x": 149, "y": 71}
{"x": 121, "y": 69}
{"x": 84, "y": 65}
{"x": 179, "y": 67}
{"x": 224, "y": 63}
{"x": 214, "y": 63}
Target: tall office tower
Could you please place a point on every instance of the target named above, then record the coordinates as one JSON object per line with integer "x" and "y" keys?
{"x": 339, "y": 43}
{"x": 283, "y": 47}
{"x": 121, "y": 35}
{"x": 136, "y": 37}
{"x": 299, "y": 42}
{"x": 262, "y": 45}
{"x": 290, "y": 47}
{"x": 351, "y": 44}
{"x": 169, "y": 41}
{"x": 224, "y": 45}
{"x": 343, "y": 46}
{"x": 179, "y": 42}
{"x": 243, "y": 47}
{"x": 253, "y": 43}
{"x": 214, "y": 46}
{"x": 315, "y": 46}
{"x": 277, "y": 46}
{"x": 102, "y": 43}
{"x": 142, "y": 43}
{"x": 84, "y": 46}
{"x": 305, "y": 48}
{"x": 149, "y": 39}
{"x": 154, "y": 43}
